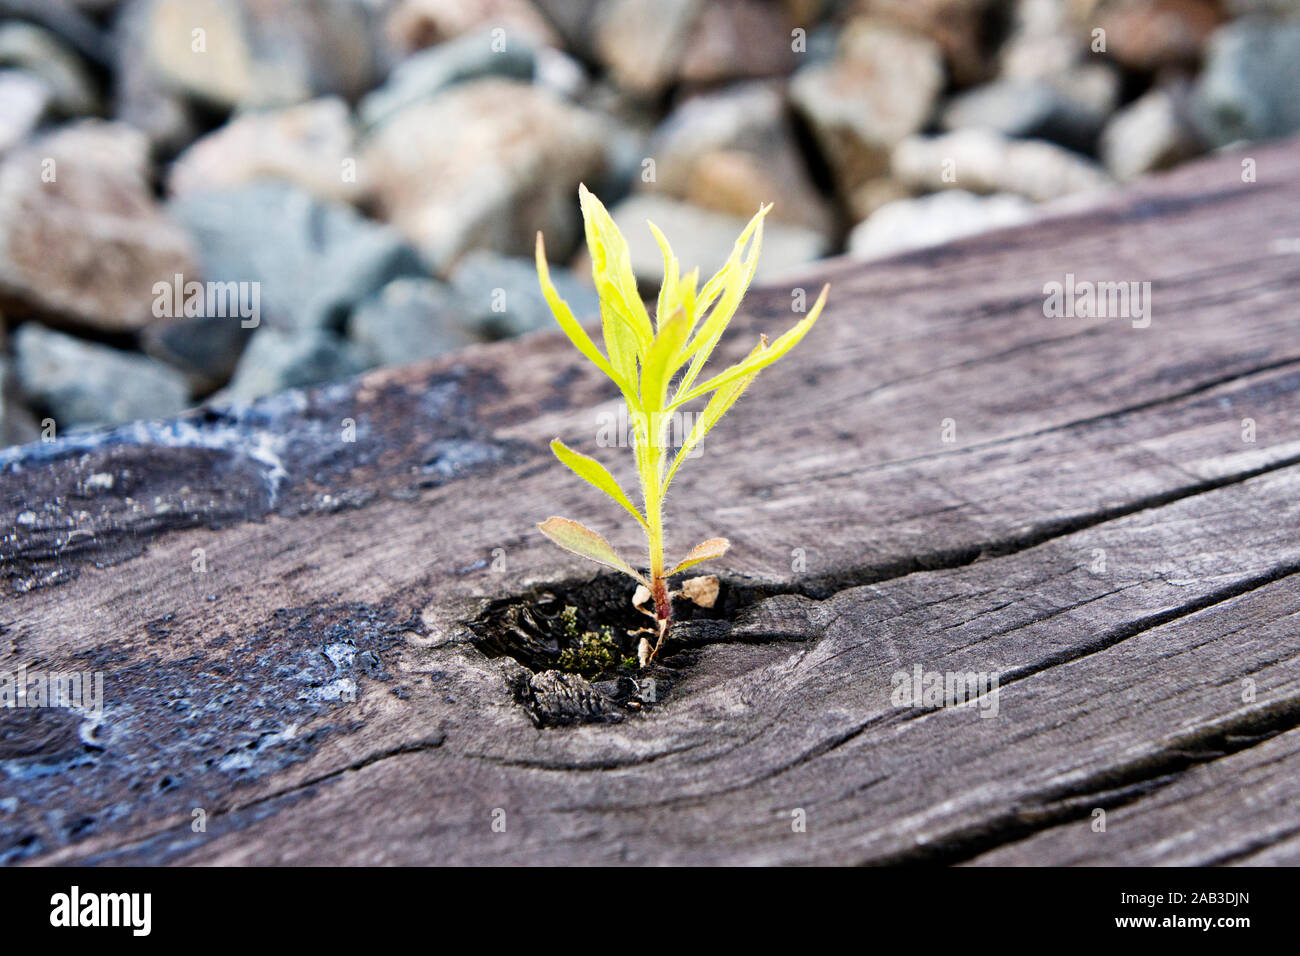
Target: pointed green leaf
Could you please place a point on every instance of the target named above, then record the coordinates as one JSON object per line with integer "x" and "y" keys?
{"x": 704, "y": 551}
{"x": 611, "y": 268}
{"x": 761, "y": 360}
{"x": 734, "y": 280}
{"x": 595, "y": 474}
{"x": 586, "y": 543}
{"x": 620, "y": 342}
{"x": 718, "y": 405}
{"x": 713, "y": 288}
{"x": 662, "y": 360}
{"x": 686, "y": 295}
{"x": 669, "y": 297}
{"x": 564, "y": 315}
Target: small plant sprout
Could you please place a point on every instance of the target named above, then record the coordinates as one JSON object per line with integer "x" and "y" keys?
{"x": 644, "y": 361}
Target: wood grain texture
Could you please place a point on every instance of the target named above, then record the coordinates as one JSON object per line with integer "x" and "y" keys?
{"x": 1098, "y": 535}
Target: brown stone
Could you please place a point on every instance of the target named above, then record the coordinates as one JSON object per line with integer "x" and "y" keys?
{"x": 485, "y": 164}
{"x": 82, "y": 239}
{"x": 1151, "y": 34}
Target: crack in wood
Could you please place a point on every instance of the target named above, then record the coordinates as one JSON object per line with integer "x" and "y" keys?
{"x": 1117, "y": 787}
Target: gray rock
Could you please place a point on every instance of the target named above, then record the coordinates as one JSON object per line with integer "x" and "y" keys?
{"x": 736, "y": 39}
{"x": 1278, "y": 8}
{"x": 641, "y": 43}
{"x": 24, "y": 99}
{"x": 823, "y": 40}
{"x": 561, "y": 74}
{"x": 140, "y": 97}
{"x": 1152, "y": 35}
{"x": 486, "y": 164}
{"x": 1069, "y": 109}
{"x": 204, "y": 349}
{"x": 411, "y": 25}
{"x": 732, "y": 151}
{"x": 960, "y": 28}
{"x": 705, "y": 239}
{"x": 573, "y": 20}
{"x": 649, "y": 46}
{"x": 309, "y": 145}
{"x": 982, "y": 161}
{"x": 314, "y": 259}
{"x": 503, "y": 298}
{"x": 880, "y": 87}
{"x": 410, "y": 320}
{"x": 626, "y": 149}
{"x": 84, "y": 383}
{"x": 17, "y": 425}
{"x": 275, "y": 360}
{"x": 25, "y": 46}
{"x": 81, "y": 236}
{"x": 73, "y": 28}
{"x": 1154, "y": 132}
{"x": 930, "y": 220}
{"x": 1247, "y": 89}
{"x": 427, "y": 72}
{"x": 1042, "y": 41}
{"x": 874, "y": 193}
{"x": 260, "y": 52}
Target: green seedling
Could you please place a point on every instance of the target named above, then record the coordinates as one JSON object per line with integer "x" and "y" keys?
{"x": 590, "y": 653}
{"x": 657, "y": 369}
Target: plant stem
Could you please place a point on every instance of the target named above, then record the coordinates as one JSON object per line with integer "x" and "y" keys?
{"x": 663, "y": 611}
{"x": 652, "y": 484}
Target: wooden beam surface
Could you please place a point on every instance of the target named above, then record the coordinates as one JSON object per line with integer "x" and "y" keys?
{"x": 1098, "y": 533}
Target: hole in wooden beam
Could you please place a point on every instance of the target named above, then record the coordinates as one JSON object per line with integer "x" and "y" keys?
{"x": 577, "y": 643}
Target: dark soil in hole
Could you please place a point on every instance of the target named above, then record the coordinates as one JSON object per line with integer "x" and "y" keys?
{"x": 589, "y": 633}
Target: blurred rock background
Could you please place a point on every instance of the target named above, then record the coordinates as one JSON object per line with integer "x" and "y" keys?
{"x": 379, "y": 168}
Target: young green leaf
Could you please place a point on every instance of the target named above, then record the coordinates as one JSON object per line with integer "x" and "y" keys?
{"x": 704, "y": 551}
{"x": 611, "y": 268}
{"x": 715, "y": 285}
{"x": 686, "y": 297}
{"x": 564, "y": 315}
{"x": 756, "y": 363}
{"x": 594, "y": 473}
{"x": 668, "y": 294}
{"x": 662, "y": 360}
{"x": 582, "y": 541}
{"x": 620, "y": 342}
{"x": 718, "y": 405}
{"x": 731, "y": 284}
